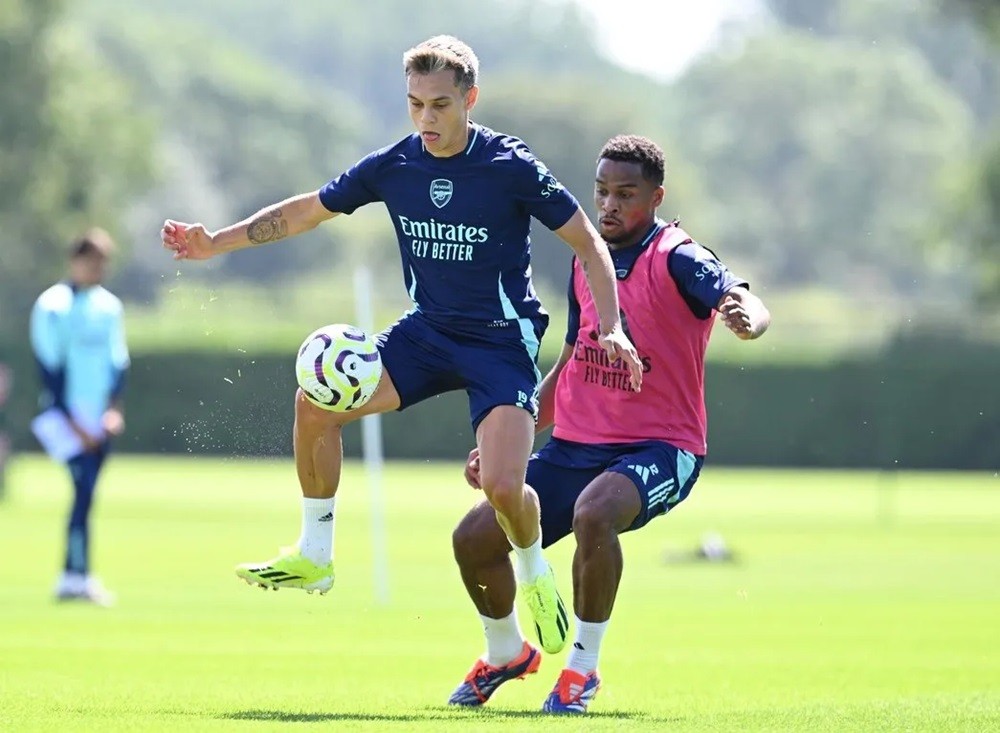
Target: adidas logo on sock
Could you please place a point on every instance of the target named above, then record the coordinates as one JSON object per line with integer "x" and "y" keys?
{"x": 328, "y": 517}
{"x": 578, "y": 645}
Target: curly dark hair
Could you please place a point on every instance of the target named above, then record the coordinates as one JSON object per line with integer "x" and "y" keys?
{"x": 636, "y": 149}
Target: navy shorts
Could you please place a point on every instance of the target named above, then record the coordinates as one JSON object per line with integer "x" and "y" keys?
{"x": 662, "y": 473}
{"x": 495, "y": 367}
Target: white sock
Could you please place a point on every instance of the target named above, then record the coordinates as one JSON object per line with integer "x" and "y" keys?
{"x": 70, "y": 582}
{"x": 316, "y": 540}
{"x": 530, "y": 561}
{"x": 583, "y": 656}
{"x": 503, "y": 639}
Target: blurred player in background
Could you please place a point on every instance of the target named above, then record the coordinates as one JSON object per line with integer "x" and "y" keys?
{"x": 616, "y": 458}
{"x": 461, "y": 198}
{"x": 78, "y": 339}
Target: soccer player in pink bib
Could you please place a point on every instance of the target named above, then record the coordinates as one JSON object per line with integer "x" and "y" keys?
{"x": 617, "y": 458}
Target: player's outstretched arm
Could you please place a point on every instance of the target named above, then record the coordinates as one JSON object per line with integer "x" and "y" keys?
{"x": 744, "y": 313}
{"x": 284, "y": 219}
{"x": 595, "y": 260}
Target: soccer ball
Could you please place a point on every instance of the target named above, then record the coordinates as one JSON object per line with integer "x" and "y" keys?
{"x": 338, "y": 367}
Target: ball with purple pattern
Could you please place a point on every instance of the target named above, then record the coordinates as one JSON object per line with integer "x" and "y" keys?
{"x": 338, "y": 367}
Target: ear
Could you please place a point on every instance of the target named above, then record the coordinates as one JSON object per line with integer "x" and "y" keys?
{"x": 471, "y": 97}
{"x": 658, "y": 196}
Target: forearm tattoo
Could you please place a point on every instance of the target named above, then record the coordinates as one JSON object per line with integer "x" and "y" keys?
{"x": 268, "y": 227}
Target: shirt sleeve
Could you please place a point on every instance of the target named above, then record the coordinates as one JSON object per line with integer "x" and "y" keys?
{"x": 120, "y": 360}
{"x": 46, "y": 344}
{"x": 118, "y": 385}
{"x": 539, "y": 192}
{"x": 119, "y": 347}
{"x": 352, "y": 189}
{"x": 573, "y": 316}
{"x": 700, "y": 277}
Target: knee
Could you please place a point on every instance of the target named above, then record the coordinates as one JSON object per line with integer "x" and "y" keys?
{"x": 309, "y": 415}
{"x": 504, "y": 491}
{"x": 466, "y": 544}
{"x": 463, "y": 541}
{"x": 478, "y": 538}
{"x": 593, "y": 521}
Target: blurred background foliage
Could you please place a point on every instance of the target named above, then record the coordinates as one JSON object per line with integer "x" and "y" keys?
{"x": 842, "y": 155}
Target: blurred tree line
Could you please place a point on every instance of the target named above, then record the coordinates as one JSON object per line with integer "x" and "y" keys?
{"x": 957, "y": 43}
{"x": 984, "y": 198}
{"x": 73, "y": 149}
{"x": 847, "y": 145}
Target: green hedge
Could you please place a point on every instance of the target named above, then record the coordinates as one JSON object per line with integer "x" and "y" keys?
{"x": 884, "y": 413}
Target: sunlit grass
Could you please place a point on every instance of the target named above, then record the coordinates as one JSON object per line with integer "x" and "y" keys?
{"x": 857, "y": 602}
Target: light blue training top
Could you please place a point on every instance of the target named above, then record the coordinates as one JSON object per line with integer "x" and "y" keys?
{"x": 78, "y": 338}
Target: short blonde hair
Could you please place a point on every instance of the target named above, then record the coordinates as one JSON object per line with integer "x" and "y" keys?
{"x": 441, "y": 53}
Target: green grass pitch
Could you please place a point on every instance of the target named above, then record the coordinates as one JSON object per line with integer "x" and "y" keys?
{"x": 860, "y": 602}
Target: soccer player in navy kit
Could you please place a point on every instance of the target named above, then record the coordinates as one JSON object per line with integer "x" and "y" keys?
{"x": 461, "y": 197}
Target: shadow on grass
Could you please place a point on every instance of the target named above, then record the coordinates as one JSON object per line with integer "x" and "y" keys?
{"x": 428, "y": 714}
{"x": 283, "y": 716}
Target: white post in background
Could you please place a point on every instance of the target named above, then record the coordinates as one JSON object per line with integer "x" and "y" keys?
{"x": 371, "y": 447}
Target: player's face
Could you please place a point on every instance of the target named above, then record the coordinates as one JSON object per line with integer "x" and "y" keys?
{"x": 88, "y": 270}
{"x": 626, "y": 202}
{"x": 440, "y": 111}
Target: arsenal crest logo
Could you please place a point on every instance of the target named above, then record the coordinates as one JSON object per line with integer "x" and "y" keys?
{"x": 441, "y": 190}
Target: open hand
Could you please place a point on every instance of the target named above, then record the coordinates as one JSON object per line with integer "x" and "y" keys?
{"x": 187, "y": 241}
{"x": 618, "y": 346}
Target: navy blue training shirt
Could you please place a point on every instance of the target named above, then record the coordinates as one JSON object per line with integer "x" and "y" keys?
{"x": 462, "y": 222}
{"x": 700, "y": 277}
